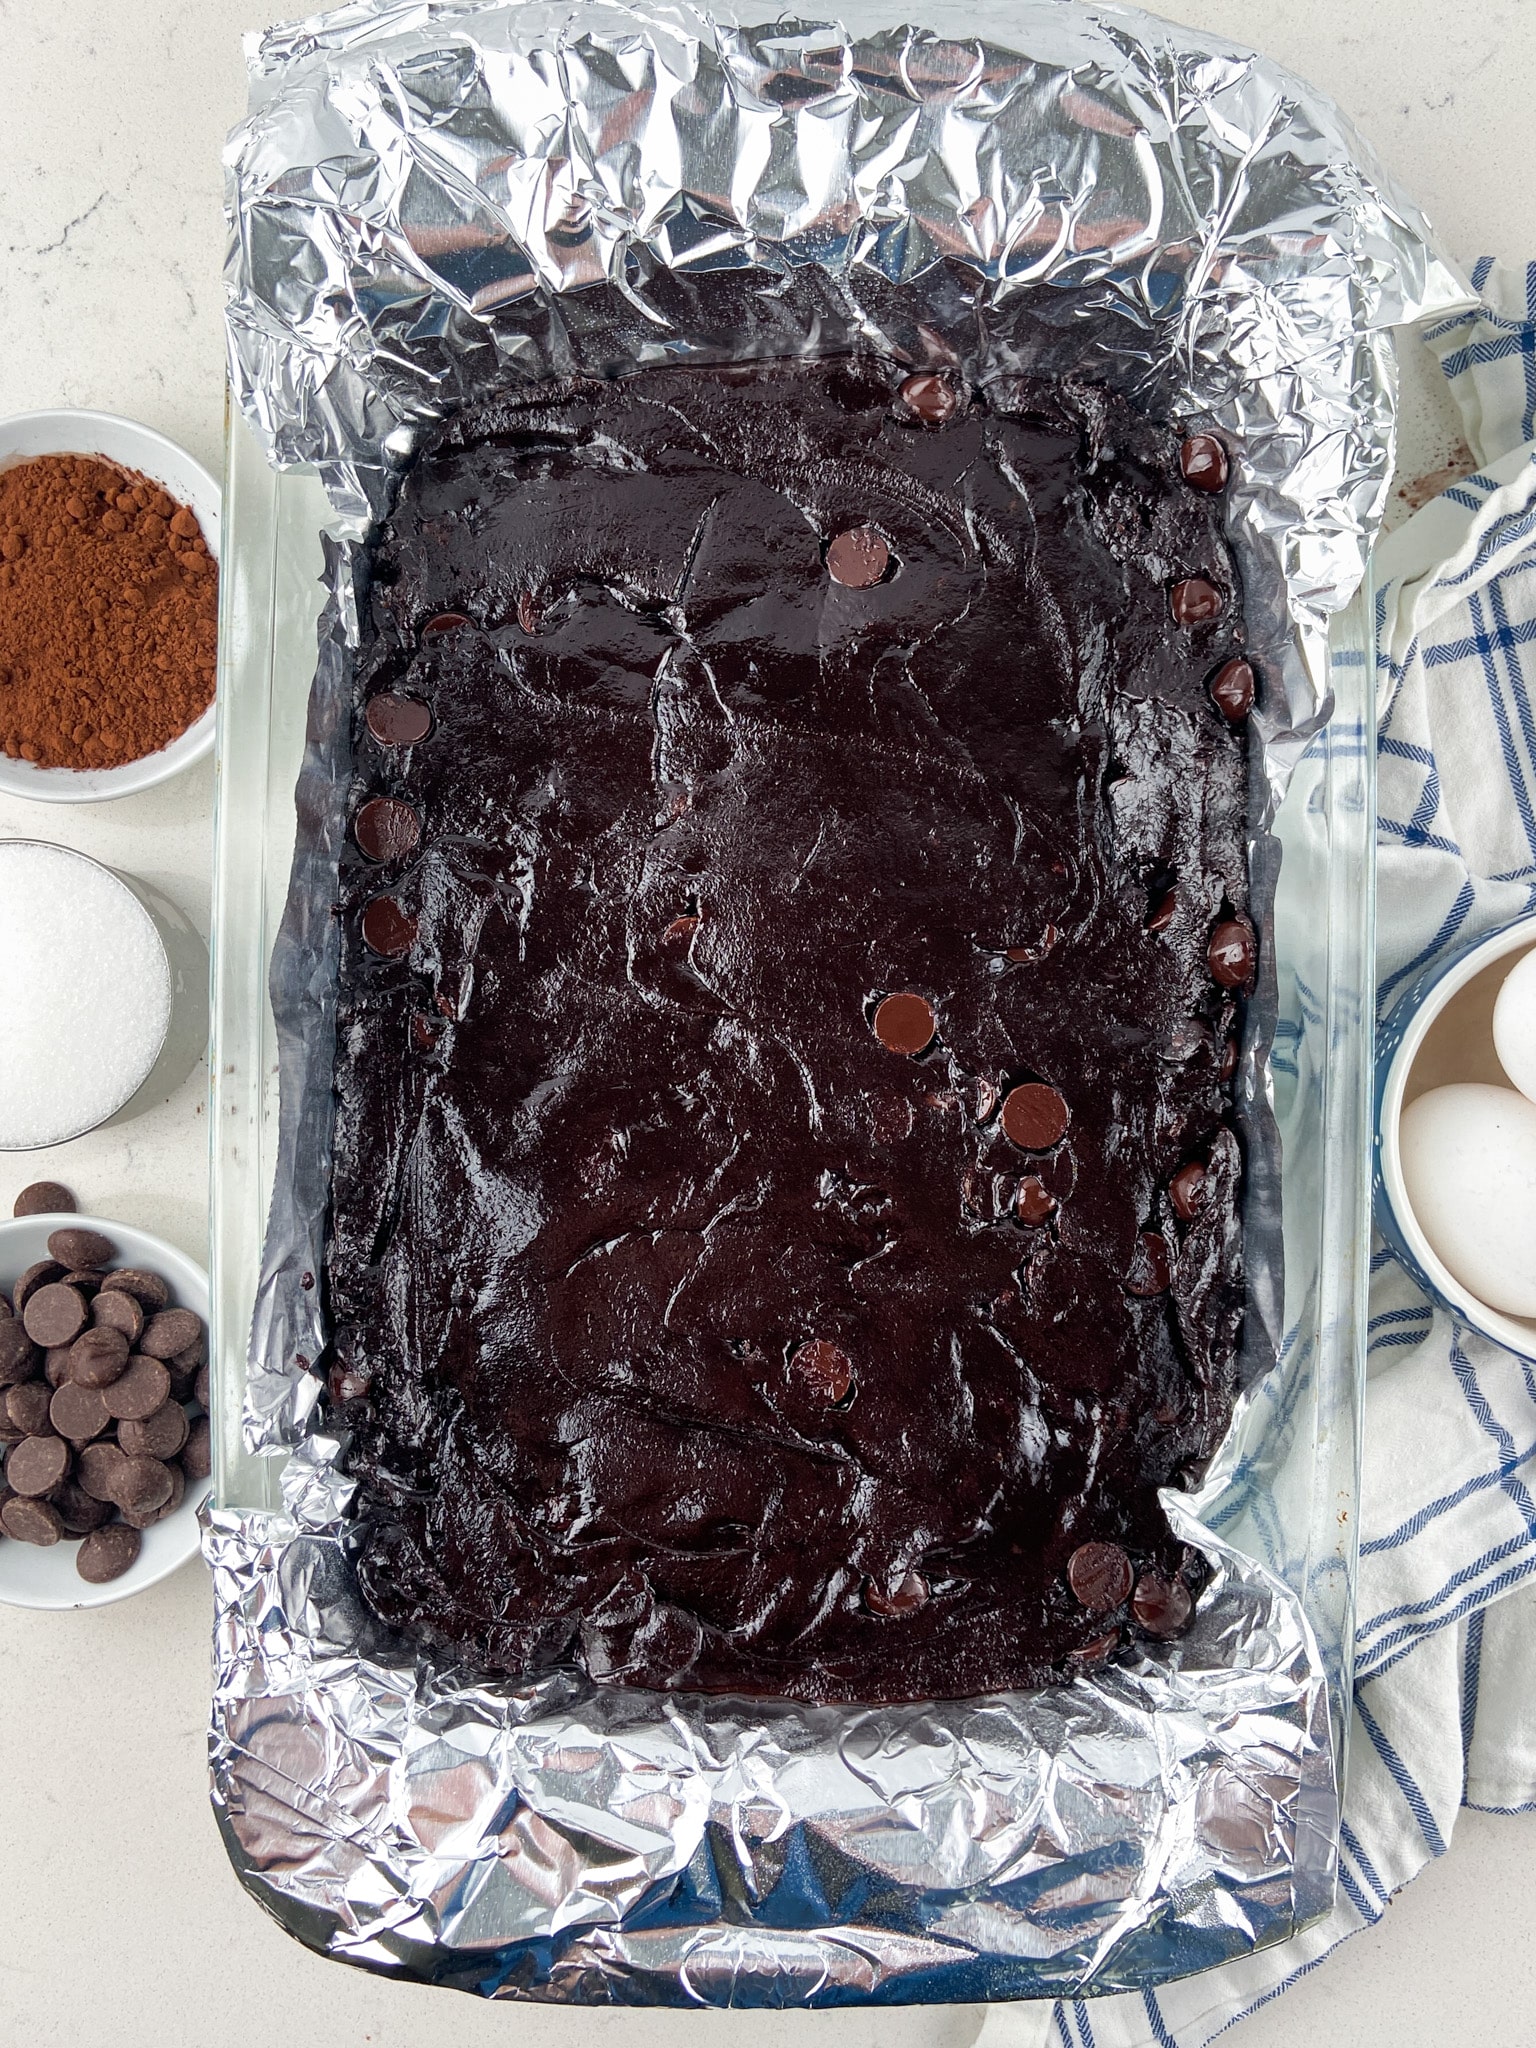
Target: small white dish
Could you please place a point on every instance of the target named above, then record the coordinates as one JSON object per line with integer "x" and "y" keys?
{"x": 31, "y": 1576}
{"x": 113, "y": 439}
{"x": 1411, "y": 1058}
{"x": 68, "y": 987}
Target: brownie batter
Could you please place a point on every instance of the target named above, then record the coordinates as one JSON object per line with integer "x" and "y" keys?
{"x": 785, "y": 1202}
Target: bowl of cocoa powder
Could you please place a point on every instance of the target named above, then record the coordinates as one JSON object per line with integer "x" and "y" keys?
{"x": 109, "y": 581}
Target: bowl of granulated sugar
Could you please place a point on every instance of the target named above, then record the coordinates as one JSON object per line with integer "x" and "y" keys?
{"x": 85, "y": 996}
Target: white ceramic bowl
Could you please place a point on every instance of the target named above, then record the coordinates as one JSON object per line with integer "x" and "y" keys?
{"x": 34, "y": 1577}
{"x": 103, "y": 992}
{"x": 104, "y": 434}
{"x": 1400, "y": 1045}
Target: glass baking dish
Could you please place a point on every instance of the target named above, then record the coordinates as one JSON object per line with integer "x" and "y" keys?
{"x": 1285, "y": 1486}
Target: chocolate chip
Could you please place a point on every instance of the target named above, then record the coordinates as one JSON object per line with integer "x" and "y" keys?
{"x": 37, "y": 1464}
{"x": 72, "y": 1247}
{"x": 1194, "y": 602}
{"x": 144, "y": 1387}
{"x": 98, "y": 1356}
{"x": 108, "y": 1553}
{"x": 387, "y": 929}
{"x": 444, "y": 622}
{"x": 1187, "y": 1191}
{"x": 114, "y": 1308}
{"x": 201, "y": 1388}
{"x": 1163, "y": 911}
{"x": 45, "y": 1198}
{"x": 18, "y": 1354}
{"x": 26, "y": 1408}
{"x": 140, "y": 1484}
{"x": 825, "y": 1367}
{"x": 1026, "y": 956}
{"x": 55, "y": 1314}
{"x": 161, "y": 1435}
{"x": 1228, "y": 1065}
{"x": 1035, "y": 1202}
{"x": 168, "y": 1506}
{"x": 9, "y": 1433}
{"x": 1233, "y": 688}
{"x": 1035, "y": 1117}
{"x": 528, "y": 613}
{"x": 178, "y": 1492}
{"x": 1096, "y": 1651}
{"x": 86, "y": 1280}
{"x": 78, "y": 1412}
{"x": 386, "y": 829}
{"x": 1150, "y": 1271}
{"x": 910, "y": 1593}
{"x": 858, "y": 558}
{"x": 1203, "y": 460}
{"x": 32, "y": 1521}
{"x": 890, "y": 1118}
{"x": 397, "y": 721}
{"x": 146, "y": 1288}
{"x": 931, "y": 397}
{"x": 56, "y": 1364}
{"x": 197, "y": 1457}
{"x": 1100, "y": 1575}
{"x": 347, "y": 1385}
{"x": 98, "y": 1471}
{"x": 41, "y": 1275}
{"x": 183, "y": 1377}
{"x": 1232, "y": 953}
{"x": 78, "y": 1512}
{"x": 172, "y": 1330}
{"x": 1161, "y": 1606}
{"x": 196, "y": 1353}
{"x": 904, "y": 1023}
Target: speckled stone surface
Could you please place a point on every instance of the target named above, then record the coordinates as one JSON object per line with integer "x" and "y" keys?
{"x": 121, "y": 311}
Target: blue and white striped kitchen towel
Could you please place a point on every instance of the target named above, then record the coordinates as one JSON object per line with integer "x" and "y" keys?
{"x": 1445, "y": 1697}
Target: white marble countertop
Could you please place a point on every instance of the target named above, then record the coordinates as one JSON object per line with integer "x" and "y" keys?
{"x": 124, "y": 1924}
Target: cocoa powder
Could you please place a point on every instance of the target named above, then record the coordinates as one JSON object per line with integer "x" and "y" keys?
{"x": 108, "y": 614}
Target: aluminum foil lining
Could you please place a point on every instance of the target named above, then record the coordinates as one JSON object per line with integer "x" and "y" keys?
{"x": 616, "y": 1847}
{"x": 428, "y": 198}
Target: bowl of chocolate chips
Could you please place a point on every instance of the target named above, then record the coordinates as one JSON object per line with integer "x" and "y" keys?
{"x": 104, "y": 1428}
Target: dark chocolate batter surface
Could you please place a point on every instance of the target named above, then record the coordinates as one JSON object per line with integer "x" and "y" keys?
{"x": 704, "y": 1317}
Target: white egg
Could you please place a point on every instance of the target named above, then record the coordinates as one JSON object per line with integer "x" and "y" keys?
{"x": 1469, "y": 1163}
{"x": 1514, "y": 1025}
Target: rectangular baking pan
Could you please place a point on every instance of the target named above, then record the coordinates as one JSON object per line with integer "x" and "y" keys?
{"x": 1285, "y": 1486}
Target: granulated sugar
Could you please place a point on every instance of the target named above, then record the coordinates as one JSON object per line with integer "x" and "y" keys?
{"x": 85, "y": 994}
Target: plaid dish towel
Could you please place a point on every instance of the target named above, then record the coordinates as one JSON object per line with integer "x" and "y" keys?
{"x": 1446, "y": 1673}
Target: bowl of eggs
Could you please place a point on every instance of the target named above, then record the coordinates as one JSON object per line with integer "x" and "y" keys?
{"x": 1456, "y": 1133}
